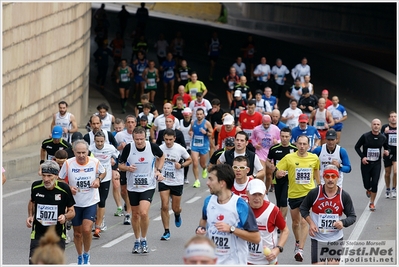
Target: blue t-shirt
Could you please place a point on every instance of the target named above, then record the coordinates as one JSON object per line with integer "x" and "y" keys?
{"x": 272, "y": 100}
{"x": 310, "y": 131}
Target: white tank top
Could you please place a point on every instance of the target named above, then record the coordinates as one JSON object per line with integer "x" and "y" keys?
{"x": 185, "y": 130}
{"x": 268, "y": 239}
{"x": 91, "y": 136}
{"x": 82, "y": 177}
{"x": 326, "y": 159}
{"x": 320, "y": 119}
{"x": 107, "y": 122}
{"x": 64, "y": 122}
{"x": 104, "y": 155}
{"x": 143, "y": 178}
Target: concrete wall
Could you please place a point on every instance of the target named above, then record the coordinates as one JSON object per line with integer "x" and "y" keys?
{"x": 46, "y": 52}
{"x": 359, "y": 18}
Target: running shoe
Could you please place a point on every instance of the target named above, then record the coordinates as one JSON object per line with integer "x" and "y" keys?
{"x": 178, "y": 221}
{"x": 372, "y": 207}
{"x": 97, "y": 233}
{"x": 393, "y": 193}
{"x": 388, "y": 193}
{"x": 103, "y": 226}
{"x": 296, "y": 247}
{"x": 368, "y": 193}
{"x": 86, "y": 259}
{"x": 197, "y": 184}
{"x": 67, "y": 239}
{"x": 204, "y": 174}
{"x": 166, "y": 236}
{"x": 144, "y": 246}
{"x": 80, "y": 260}
{"x": 299, "y": 255}
{"x": 136, "y": 247}
{"x": 186, "y": 181}
{"x": 126, "y": 221}
{"x": 119, "y": 212}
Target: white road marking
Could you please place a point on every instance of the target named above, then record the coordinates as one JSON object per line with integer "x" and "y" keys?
{"x": 192, "y": 200}
{"x": 116, "y": 241}
{"x": 16, "y": 192}
{"x": 159, "y": 217}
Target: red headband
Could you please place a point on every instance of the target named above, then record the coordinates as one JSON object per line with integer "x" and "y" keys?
{"x": 170, "y": 117}
{"x": 330, "y": 171}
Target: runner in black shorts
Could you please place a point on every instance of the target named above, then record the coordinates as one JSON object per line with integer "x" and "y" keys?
{"x": 276, "y": 153}
{"x": 390, "y": 132}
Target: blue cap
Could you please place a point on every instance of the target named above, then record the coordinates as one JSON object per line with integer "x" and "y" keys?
{"x": 57, "y": 132}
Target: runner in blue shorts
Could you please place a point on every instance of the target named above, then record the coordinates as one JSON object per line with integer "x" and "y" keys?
{"x": 202, "y": 130}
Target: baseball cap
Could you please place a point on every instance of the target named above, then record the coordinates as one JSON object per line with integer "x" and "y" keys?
{"x": 331, "y": 134}
{"x": 229, "y": 141}
{"x": 76, "y": 136}
{"x": 144, "y": 117}
{"x": 325, "y": 91}
{"x": 305, "y": 90}
{"x": 228, "y": 120}
{"x": 57, "y": 132}
{"x": 256, "y": 186}
{"x": 303, "y": 118}
{"x": 258, "y": 92}
{"x": 187, "y": 111}
{"x": 237, "y": 93}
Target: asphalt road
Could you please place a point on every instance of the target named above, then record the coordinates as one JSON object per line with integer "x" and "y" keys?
{"x": 115, "y": 245}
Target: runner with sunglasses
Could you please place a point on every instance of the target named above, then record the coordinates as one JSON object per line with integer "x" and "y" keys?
{"x": 322, "y": 209}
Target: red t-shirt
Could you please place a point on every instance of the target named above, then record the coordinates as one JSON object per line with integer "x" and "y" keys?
{"x": 249, "y": 122}
{"x": 328, "y": 103}
{"x": 223, "y": 135}
{"x": 186, "y": 99}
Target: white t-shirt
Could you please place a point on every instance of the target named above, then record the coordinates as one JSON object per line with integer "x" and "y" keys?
{"x": 194, "y": 105}
{"x": 291, "y": 123}
{"x": 240, "y": 68}
{"x": 280, "y": 72}
{"x": 161, "y": 46}
{"x": 123, "y": 136}
{"x": 262, "y": 68}
{"x": 104, "y": 155}
{"x": 174, "y": 154}
{"x": 159, "y": 122}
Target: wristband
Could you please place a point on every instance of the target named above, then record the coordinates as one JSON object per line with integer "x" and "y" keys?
{"x": 199, "y": 227}
{"x": 41, "y": 161}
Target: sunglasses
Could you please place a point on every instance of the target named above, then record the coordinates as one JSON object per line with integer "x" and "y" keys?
{"x": 241, "y": 168}
{"x": 330, "y": 176}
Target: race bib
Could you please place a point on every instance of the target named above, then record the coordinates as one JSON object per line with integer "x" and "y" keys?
{"x": 198, "y": 140}
{"x": 140, "y": 179}
{"x": 303, "y": 175}
{"x": 184, "y": 75}
{"x": 231, "y": 85}
{"x": 373, "y": 154}
{"x": 326, "y": 222}
{"x": 83, "y": 184}
{"x": 161, "y": 53}
{"x": 248, "y": 132}
{"x": 320, "y": 124}
{"x": 266, "y": 142}
{"x": 392, "y": 139}
{"x": 47, "y": 214}
{"x": 222, "y": 242}
{"x": 169, "y": 73}
{"x": 193, "y": 92}
{"x": 169, "y": 170}
{"x": 124, "y": 77}
{"x": 255, "y": 249}
{"x": 151, "y": 82}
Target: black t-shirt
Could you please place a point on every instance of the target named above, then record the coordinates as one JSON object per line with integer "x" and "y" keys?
{"x": 179, "y": 138}
{"x": 139, "y": 106}
{"x": 178, "y": 113}
{"x": 391, "y": 137}
{"x": 111, "y": 139}
{"x": 215, "y": 117}
{"x": 310, "y": 101}
{"x": 49, "y": 204}
{"x": 216, "y": 155}
{"x": 52, "y": 147}
{"x": 156, "y": 151}
{"x": 371, "y": 146}
{"x": 277, "y": 152}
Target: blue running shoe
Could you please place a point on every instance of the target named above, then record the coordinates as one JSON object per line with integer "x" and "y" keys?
{"x": 136, "y": 248}
{"x": 86, "y": 259}
{"x": 178, "y": 221}
{"x": 166, "y": 236}
{"x": 144, "y": 246}
{"x": 80, "y": 260}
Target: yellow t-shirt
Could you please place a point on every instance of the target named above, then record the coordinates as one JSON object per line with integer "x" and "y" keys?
{"x": 193, "y": 88}
{"x": 300, "y": 173}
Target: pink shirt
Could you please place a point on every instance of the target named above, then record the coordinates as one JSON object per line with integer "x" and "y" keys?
{"x": 265, "y": 138}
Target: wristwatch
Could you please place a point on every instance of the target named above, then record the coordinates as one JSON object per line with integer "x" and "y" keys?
{"x": 340, "y": 166}
{"x": 232, "y": 229}
{"x": 254, "y": 175}
{"x": 280, "y": 248}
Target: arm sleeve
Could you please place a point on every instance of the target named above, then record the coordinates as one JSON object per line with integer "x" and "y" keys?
{"x": 156, "y": 151}
{"x": 125, "y": 154}
{"x": 346, "y": 164}
{"x": 112, "y": 140}
{"x": 349, "y": 210}
{"x": 359, "y": 144}
{"x": 308, "y": 202}
{"x": 247, "y": 217}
